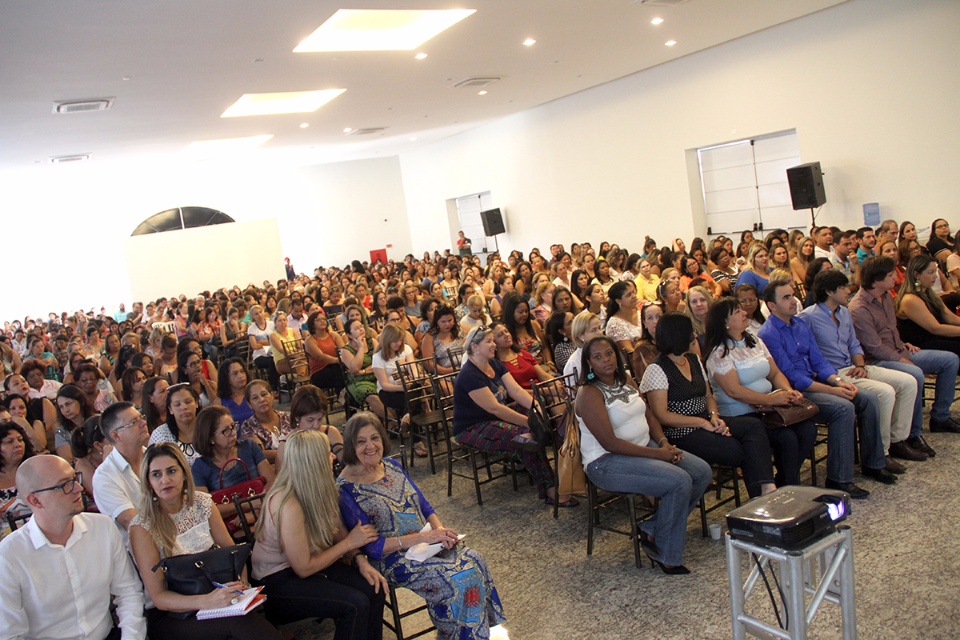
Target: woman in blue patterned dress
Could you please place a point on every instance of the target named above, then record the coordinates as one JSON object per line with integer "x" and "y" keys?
{"x": 463, "y": 603}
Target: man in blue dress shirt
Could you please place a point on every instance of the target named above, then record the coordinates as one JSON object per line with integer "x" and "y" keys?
{"x": 793, "y": 347}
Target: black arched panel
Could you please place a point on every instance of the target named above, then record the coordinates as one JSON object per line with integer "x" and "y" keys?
{"x": 181, "y": 218}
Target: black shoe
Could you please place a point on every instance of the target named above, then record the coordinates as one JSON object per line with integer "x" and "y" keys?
{"x": 904, "y": 451}
{"x": 880, "y": 475}
{"x": 918, "y": 443}
{"x": 947, "y": 426}
{"x": 855, "y": 492}
{"x": 526, "y": 444}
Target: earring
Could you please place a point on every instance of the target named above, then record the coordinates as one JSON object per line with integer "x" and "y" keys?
{"x": 590, "y": 376}
{"x": 154, "y": 497}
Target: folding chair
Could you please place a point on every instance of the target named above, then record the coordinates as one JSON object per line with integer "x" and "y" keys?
{"x": 16, "y": 522}
{"x": 299, "y": 374}
{"x": 554, "y": 398}
{"x": 457, "y": 452}
{"x": 724, "y": 478}
{"x": 598, "y": 502}
{"x": 426, "y": 424}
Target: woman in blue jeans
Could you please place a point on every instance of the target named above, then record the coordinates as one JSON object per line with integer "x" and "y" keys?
{"x": 624, "y": 450}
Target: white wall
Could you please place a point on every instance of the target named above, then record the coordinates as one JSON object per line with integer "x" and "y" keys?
{"x": 255, "y": 257}
{"x": 66, "y": 226}
{"x": 871, "y": 87}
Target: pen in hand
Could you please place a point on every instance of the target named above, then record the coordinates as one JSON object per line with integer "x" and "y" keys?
{"x": 223, "y": 586}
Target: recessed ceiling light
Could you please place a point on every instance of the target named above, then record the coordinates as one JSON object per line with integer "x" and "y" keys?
{"x": 347, "y": 129}
{"x": 304, "y": 125}
{"x": 261, "y": 104}
{"x": 380, "y": 30}
{"x": 420, "y": 56}
{"x": 482, "y": 92}
{"x": 529, "y": 42}
{"x": 656, "y": 21}
{"x": 670, "y": 43}
{"x": 226, "y": 146}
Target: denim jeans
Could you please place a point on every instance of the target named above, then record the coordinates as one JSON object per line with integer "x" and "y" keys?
{"x": 679, "y": 487}
{"x": 839, "y": 415}
{"x": 942, "y": 363}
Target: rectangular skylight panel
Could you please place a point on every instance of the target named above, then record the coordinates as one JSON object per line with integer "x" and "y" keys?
{"x": 380, "y": 30}
{"x": 263, "y": 104}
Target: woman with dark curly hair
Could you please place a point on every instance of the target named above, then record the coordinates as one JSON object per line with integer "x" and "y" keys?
{"x": 524, "y": 329}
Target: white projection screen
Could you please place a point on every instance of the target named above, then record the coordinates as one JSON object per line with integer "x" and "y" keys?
{"x": 189, "y": 261}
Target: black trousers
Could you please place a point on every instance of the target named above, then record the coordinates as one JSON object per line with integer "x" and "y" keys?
{"x": 337, "y": 592}
{"x": 252, "y": 626}
{"x": 746, "y": 447}
{"x": 266, "y": 363}
{"x": 791, "y": 446}
{"x": 330, "y": 377}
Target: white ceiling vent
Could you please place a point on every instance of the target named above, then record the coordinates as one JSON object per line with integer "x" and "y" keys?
{"x": 78, "y": 106}
{"x": 660, "y": 3}
{"x": 366, "y": 132}
{"x": 80, "y": 157}
{"x": 468, "y": 83}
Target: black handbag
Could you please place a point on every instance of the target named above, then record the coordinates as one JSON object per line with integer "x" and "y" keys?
{"x": 784, "y": 416}
{"x": 193, "y": 574}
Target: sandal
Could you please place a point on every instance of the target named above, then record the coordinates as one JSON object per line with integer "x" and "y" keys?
{"x": 566, "y": 504}
{"x": 420, "y": 450}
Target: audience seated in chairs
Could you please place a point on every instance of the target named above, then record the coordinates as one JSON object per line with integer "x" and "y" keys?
{"x": 173, "y": 518}
{"x": 676, "y": 388}
{"x": 624, "y": 449}
{"x": 306, "y": 559}
{"x": 376, "y": 491}
{"x": 36, "y": 599}
{"x": 482, "y": 419}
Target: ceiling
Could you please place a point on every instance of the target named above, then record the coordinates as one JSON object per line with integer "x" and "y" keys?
{"x": 174, "y": 66}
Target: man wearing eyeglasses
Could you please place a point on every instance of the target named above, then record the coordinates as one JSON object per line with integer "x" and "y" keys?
{"x": 61, "y": 569}
{"x": 116, "y": 483}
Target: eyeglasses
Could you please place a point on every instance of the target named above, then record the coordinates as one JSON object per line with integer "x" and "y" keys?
{"x": 67, "y": 487}
{"x": 480, "y": 334}
{"x": 136, "y": 421}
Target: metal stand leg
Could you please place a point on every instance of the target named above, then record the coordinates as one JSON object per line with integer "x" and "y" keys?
{"x": 833, "y": 581}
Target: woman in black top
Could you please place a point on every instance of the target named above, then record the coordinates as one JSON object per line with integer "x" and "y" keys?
{"x": 677, "y": 391}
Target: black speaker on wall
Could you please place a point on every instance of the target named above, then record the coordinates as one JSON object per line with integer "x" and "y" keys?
{"x": 492, "y": 222}
{"x": 806, "y": 186}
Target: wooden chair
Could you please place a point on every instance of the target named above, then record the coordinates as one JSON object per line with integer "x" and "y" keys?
{"x": 426, "y": 423}
{"x": 351, "y": 405}
{"x": 299, "y": 374}
{"x": 639, "y": 508}
{"x": 554, "y": 398}
{"x": 456, "y": 358}
{"x": 16, "y": 522}
{"x": 456, "y": 452}
{"x": 724, "y": 478}
{"x": 250, "y": 504}
{"x": 396, "y": 624}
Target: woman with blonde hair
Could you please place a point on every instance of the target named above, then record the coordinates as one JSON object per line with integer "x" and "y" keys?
{"x": 174, "y": 519}
{"x": 756, "y": 270}
{"x": 699, "y": 301}
{"x": 803, "y": 254}
{"x": 542, "y": 302}
{"x": 305, "y": 558}
{"x": 476, "y": 313}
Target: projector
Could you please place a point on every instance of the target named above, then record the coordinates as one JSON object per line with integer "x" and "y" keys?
{"x": 789, "y": 517}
